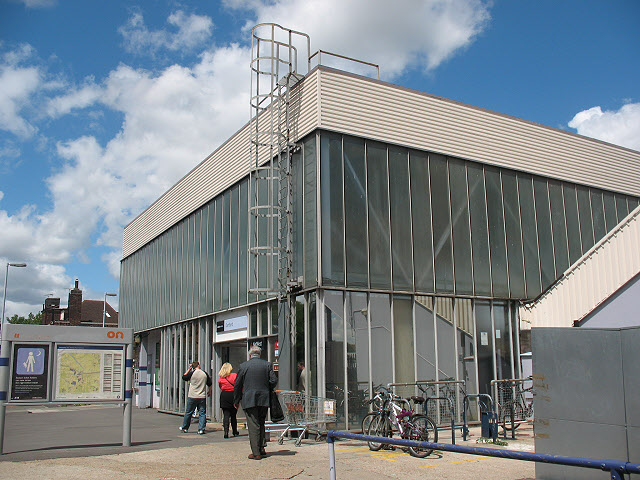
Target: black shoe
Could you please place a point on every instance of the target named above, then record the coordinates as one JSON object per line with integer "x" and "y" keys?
{"x": 226, "y": 435}
{"x": 235, "y": 434}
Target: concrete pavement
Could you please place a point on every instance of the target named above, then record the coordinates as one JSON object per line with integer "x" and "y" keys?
{"x": 86, "y": 443}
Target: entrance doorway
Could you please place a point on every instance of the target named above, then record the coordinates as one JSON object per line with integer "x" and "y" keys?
{"x": 234, "y": 353}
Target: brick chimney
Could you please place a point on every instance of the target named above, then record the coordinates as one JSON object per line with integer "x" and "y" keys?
{"x": 75, "y": 305}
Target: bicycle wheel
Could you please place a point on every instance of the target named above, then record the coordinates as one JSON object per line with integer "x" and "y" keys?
{"x": 421, "y": 429}
{"x": 367, "y": 420}
{"x": 379, "y": 427}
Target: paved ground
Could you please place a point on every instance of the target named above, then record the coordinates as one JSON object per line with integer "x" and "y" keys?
{"x": 86, "y": 443}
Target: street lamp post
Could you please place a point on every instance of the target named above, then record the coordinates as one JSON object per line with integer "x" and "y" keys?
{"x": 6, "y": 278}
{"x": 104, "y": 306}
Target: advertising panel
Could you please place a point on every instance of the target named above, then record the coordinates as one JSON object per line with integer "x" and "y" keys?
{"x": 89, "y": 372}
{"x": 30, "y": 372}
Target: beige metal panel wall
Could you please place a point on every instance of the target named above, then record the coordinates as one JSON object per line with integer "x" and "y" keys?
{"x": 609, "y": 265}
{"x": 365, "y": 107}
{"x": 227, "y": 165}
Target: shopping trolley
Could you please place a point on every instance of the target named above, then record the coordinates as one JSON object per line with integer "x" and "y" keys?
{"x": 306, "y": 414}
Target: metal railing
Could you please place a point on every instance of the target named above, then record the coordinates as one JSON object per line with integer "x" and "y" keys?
{"x": 617, "y": 468}
{"x": 513, "y": 402}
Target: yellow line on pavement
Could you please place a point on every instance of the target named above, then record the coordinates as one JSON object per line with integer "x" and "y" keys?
{"x": 455, "y": 463}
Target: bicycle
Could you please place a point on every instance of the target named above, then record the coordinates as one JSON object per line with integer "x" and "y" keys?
{"x": 514, "y": 411}
{"x": 394, "y": 417}
{"x": 378, "y": 403}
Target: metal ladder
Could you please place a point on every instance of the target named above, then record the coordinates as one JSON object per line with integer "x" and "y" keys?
{"x": 274, "y": 73}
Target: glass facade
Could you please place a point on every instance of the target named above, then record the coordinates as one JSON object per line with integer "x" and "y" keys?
{"x": 443, "y": 225}
{"x": 409, "y": 265}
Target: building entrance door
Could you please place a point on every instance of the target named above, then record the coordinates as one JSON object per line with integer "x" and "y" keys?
{"x": 234, "y": 353}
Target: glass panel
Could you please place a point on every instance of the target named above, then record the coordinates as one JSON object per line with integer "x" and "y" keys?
{"x": 310, "y": 232}
{"x": 253, "y": 322}
{"x": 263, "y": 319}
{"x": 204, "y": 258}
{"x": 400, "y": 219}
{"x": 441, "y": 223}
{"x": 573, "y": 222}
{"x": 496, "y": 233}
{"x": 503, "y": 340}
{"x": 264, "y": 225}
{"x": 403, "y": 344}
{"x": 187, "y": 267}
{"x": 633, "y": 203}
{"x": 297, "y": 200}
{"x": 312, "y": 385}
{"x": 233, "y": 248}
{"x": 597, "y": 213}
{"x": 355, "y": 205}
{"x": 479, "y": 232}
{"x": 298, "y": 335}
{"x": 425, "y": 339}
{"x": 514, "y": 234}
{"x": 545, "y": 239}
{"x": 243, "y": 247}
{"x": 273, "y": 329}
{"x": 357, "y": 357}
{"x": 466, "y": 356}
{"x": 446, "y": 339}
{"x": 610, "y": 214}
{"x": 460, "y": 225}
{"x": 331, "y": 204}
{"x": 334, "y": 352}
{"x": 226, "y": 234}
{"x": 217, "y": 288}
{"x": 381, "y": 373}
{"x": 196, "y": 263}
{"x": 378, "y": 203}
{"x": 622, "y": 209}
{"x": 484, "y": 346}
{"x": 559, "y": 228}
{"x": 421, "y": 209}
{"x": 586, "y": 224}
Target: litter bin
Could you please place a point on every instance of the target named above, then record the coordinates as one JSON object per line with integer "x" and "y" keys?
{"x": 488, "y": 424}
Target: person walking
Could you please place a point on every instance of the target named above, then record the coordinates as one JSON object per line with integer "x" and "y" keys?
{"x": 253, "y": 384}
{"x": 226, "y": 382}
{"x": 198, "y": 380}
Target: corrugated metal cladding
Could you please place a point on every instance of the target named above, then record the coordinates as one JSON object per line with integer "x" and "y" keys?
{"x": 369, "y": 108}
{"x": 600, "y": 272}
{"x": 222, "y": 168}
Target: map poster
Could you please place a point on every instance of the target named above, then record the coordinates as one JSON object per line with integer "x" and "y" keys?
{"x": 30, "y": 379}
{"x": 90, "y": 372}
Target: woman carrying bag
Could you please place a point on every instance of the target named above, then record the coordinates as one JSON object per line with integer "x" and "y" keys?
{"x": 226, "y": 382}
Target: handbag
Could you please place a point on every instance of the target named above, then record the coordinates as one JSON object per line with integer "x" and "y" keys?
{"x": 275, "y": 408}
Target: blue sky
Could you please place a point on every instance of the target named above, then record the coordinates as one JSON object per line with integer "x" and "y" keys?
{"x": 105, "y": 105}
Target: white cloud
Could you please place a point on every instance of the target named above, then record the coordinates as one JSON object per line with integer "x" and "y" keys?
{"x": 172, "y": 121}
{"x": 620, "y": 127}
{"x": 17, "y": 84}
{"x": 79, "y": 98}
{"x": 396, "y": 35}
{"x": 192, "y": 31}
{"x": 38, "y": 3}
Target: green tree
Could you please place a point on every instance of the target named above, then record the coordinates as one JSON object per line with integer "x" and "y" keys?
{"x": 32, "y": 319}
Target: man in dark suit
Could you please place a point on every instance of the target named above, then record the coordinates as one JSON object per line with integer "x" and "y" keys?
{"x": 254, "y": 381}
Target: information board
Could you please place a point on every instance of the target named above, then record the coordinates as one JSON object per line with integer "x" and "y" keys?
{"x": 31, "y": 372}
{"x": 89, "y": 372}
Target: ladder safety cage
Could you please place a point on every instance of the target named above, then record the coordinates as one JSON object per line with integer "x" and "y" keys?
{"x": 274, "y": 73}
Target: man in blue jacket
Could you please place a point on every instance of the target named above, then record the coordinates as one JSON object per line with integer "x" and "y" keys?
{"x": 254, "y": 382}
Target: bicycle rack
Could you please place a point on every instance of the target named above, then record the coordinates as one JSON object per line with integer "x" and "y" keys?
{"x": 488, "y": 418}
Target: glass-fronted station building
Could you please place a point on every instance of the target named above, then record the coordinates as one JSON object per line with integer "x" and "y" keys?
{"x": 418, "y": 224}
